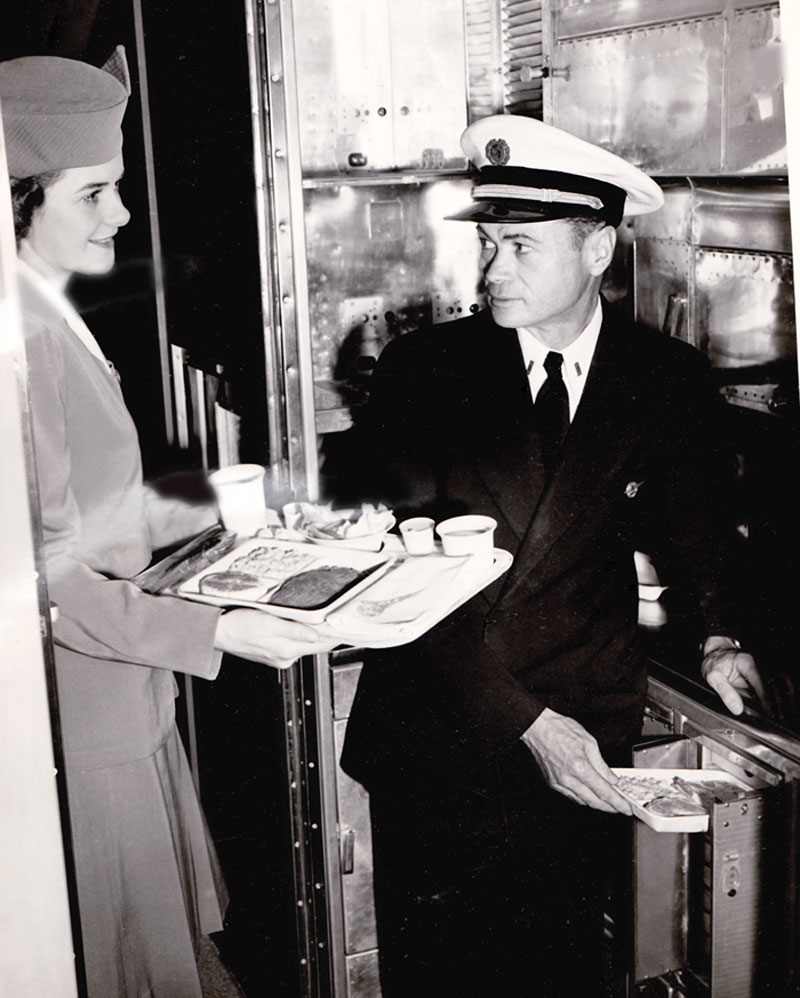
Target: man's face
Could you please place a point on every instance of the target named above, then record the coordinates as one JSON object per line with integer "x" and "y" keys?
{"x": 535, "y": 273}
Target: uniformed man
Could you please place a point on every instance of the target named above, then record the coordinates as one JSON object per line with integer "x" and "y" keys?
{"x": 486, "y": 744}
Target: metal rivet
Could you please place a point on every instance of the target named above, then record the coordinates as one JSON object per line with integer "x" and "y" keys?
{"x": 276, "y": 77}
{"x": 314, "y": 825}
{"x": 311, "y": 765}
{"x": 307, "y": 703}
{"x": 287, "y": 299}
{"x": 282, "y": 227}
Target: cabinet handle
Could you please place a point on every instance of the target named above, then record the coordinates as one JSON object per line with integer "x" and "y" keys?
{"x": 348, "y": 850}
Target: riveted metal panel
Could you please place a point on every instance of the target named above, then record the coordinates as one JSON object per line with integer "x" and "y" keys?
{"x": 660, "y": 878}
{"x": 389, "y": 249}
{"x": 755, "y": 139}
{"x": 585, "y": 17}
{"x": 343, "y": 53}
{"x": 674, "y": 219}
{"x": 653, "y": 95}
{"x": 362, "y": 975}
{"x": 367, "y": 104}
{"x": 355, "y": 840}
{"x": 743, "y": 216}
{"x": 734, "y": 896}
{"x": 344, "y": 680}
{"x": 429, "y": 75}
{"x": 745, "y": 308}
{"x": 662, "y": 273}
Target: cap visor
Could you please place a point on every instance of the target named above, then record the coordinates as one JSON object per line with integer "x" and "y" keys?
{"x": 516, "y": 211}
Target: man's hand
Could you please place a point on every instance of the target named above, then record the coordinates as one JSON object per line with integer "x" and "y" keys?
{"x": 260, "y": 637}
{"x": 727, "y": 670}
{"x": 571, "y": 762}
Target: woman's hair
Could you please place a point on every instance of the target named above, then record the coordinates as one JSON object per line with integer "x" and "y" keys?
{"x": 27, "y": 194}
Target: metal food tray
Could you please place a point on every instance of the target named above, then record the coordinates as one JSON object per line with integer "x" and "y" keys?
{"x": 678, "y": 823}
{"x": 369, "y": 565}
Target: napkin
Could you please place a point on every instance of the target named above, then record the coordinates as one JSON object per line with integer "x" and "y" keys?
{"x": 325, "y": 523}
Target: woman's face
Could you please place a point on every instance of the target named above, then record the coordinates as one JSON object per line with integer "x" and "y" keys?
{"x": 73, "y": 230}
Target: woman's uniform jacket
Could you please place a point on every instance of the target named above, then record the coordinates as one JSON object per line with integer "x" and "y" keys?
{"x": 451, "y": 429}
{"x": 147, "y": 877}
{"x": 116, "y": 647}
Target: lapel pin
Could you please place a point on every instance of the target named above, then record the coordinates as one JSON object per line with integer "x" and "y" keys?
{"x": 632, "y": 488}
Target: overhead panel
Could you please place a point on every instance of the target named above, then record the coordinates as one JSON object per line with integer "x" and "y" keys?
{"x": 691, "y": 87}
{"x": 653, "y": 95}
{"x": 343, "y": 57}
{"x": 429, "y": 73}
{"x": 381, "y": 85}
{"x": 756, "y": 125}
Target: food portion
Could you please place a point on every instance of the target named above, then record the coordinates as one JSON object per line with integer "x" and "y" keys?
{"x": 273, "y": 562}
{"x": 234, "y": 585}
{"x": 674, "y": 807}
{"x": 292, "y": 579}
{"x": 676, "y": 796}
{"x": 314, "y": 588}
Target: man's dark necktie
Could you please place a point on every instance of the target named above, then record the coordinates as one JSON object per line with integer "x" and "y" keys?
{"x": 552, "y": 411}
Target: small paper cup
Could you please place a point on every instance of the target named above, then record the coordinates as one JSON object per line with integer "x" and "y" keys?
{"x": 417, "y": 534}
{"x": 239, "y": 490}
{"x": 471, "y": 534}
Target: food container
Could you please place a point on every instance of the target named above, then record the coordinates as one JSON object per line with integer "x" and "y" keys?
{"x": 417, "y": 534}
{"x": 471, "y": 534}
{"x": 239, "y": 491}
{"x": 641, "y": 787}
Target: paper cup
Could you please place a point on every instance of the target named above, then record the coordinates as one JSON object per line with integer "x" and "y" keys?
{"x": 239, "y": 490}
{"x": 470, "y": 534}
{"x": 417, "y": 534}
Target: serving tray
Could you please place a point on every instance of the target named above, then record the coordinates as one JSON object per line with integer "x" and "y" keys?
{"x": 660, "y": 782}
{"x": 397, "y": 599}
{"x": 414, "y": 595}
{"x": 277, "y": 562}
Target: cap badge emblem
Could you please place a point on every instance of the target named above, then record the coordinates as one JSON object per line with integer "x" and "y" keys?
{"x": 497, "y": 152}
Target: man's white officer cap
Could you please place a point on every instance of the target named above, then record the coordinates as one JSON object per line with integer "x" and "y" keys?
{"x": 531, "y": 172}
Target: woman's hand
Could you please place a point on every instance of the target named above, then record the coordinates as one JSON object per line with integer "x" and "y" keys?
{"x": 260, "y": 637}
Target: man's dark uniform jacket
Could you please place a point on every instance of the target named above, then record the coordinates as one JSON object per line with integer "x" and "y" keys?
{"x": 451, "y": 429}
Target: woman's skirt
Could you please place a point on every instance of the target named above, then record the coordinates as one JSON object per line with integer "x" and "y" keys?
{"x": 148, "y": 878}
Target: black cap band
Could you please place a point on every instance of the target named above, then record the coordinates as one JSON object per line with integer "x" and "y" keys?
{"x": 553, "y": 194}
